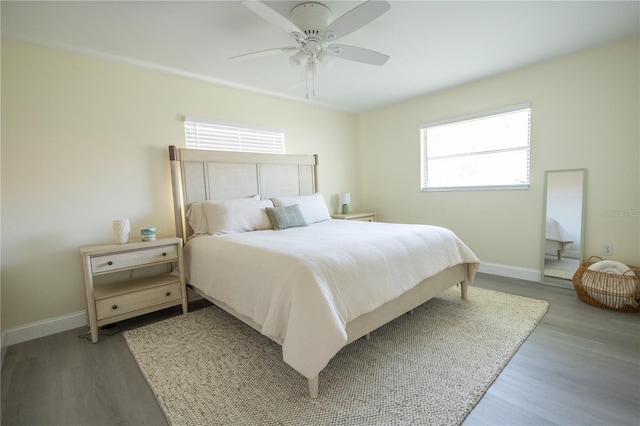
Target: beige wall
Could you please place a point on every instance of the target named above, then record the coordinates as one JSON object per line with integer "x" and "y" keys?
{"x": 84, "y": 142}
{"x": 585, "y": 114}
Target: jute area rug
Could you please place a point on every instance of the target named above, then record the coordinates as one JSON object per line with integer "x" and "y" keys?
{"x": 429, "y": 368}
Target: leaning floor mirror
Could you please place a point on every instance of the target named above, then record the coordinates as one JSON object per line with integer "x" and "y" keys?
{"x": 563, "y": 239}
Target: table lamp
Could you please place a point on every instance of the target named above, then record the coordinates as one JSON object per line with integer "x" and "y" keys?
{"x": 345, "y": 199}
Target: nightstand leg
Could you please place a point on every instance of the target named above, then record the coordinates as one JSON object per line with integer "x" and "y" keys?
{"x": 91, "y": 304}
{"x": 183, "y": 288}
{"x": 94, "y": 334}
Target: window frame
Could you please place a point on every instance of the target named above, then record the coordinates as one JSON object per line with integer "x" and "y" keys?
{"x": 233, "y": 137}
{"x": 424, "y": 159}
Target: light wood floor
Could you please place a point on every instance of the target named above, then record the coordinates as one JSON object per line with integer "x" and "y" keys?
{"x": 580, "y": 366}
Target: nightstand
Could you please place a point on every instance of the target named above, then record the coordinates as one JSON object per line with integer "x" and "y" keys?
{"x": 364, "y": 217}
{"x": 116, "y": 301}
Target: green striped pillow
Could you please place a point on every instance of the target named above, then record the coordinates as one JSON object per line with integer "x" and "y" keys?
{"x": 286, "y": 217}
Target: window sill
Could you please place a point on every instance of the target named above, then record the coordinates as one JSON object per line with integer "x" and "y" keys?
{"x": 475, "y": 188}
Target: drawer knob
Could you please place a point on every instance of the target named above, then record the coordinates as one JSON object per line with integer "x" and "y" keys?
{"x": 110, "y": 263}
{"x": 164, "y": 254}
{"x": 114, "y": 307}
{"x": 168, "y": 293}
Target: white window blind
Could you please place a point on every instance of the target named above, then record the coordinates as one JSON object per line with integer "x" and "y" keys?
{"x": 489, "y": 150}
{"x": 208, "y": 134}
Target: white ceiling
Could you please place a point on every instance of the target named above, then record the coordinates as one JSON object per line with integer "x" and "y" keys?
{"x": 432, "y": 44}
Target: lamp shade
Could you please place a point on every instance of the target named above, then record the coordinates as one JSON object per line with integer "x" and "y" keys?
{"x": 345, "y": 198}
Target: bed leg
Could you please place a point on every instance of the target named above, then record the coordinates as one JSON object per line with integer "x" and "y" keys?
{"x": 313, "y": 387}
{"x": 367, "y": 336}
{"x": 463, "y": 287}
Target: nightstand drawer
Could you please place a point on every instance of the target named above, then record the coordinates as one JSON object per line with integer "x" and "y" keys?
{"x": 125, "y": 303}
{"x": 116, "y": 261}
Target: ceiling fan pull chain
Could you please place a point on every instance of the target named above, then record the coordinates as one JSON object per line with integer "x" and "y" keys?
{"x": 306, "y": 77}
{"x": 313, "y": 78}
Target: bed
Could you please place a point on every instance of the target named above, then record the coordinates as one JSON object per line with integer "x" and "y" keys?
{"x": 299, "y": 276}
{"x": 557, "y": 239}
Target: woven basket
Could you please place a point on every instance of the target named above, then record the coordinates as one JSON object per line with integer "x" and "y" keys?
{"x": 609, "y": 291}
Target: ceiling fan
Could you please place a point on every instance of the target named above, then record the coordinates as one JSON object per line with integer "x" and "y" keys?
{"x": 314, "y": 32}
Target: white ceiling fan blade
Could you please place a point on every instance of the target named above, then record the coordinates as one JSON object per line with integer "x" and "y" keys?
{"x": 271, "y": 16}
{"x": 358, "y": 54}
{"x": 267, "y": 52}
{"x": 356, "y": 18}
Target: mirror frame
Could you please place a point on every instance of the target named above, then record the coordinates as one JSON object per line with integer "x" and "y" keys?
{"x": 543, "y": 279}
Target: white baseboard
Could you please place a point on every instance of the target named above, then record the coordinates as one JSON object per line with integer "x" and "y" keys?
{"x": 44, "y": 328}
{"x": 79, "y": 319}
{"x": 517, "y": 272}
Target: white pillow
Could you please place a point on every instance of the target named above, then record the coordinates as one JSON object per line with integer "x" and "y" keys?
{"x": 197, "y": 219}
{"x": 313, "y": 207}
{"x": 238, "y": 215}
{"x": 609, "y": 267}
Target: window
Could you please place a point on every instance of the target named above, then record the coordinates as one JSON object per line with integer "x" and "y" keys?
{"x": 207, "y": 134}
{"x": 483, "y": 151}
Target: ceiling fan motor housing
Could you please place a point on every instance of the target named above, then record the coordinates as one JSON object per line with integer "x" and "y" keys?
{"x": 311, "y": 18}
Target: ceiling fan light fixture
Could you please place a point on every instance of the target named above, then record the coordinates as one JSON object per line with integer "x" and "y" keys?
{"x": 324, "y": 57}
{"x": 298, "y": 59}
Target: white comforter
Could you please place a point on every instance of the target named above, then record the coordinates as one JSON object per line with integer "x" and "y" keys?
{"x": 303, "y": 285}
{"x": 555, "y": 232}
{"x": 557, "y": 238}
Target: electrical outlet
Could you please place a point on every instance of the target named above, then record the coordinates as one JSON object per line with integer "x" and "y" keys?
{"x": 607, "y": 249}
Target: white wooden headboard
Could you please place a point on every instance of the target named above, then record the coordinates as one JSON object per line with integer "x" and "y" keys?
{"x": 199, "y": 175}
